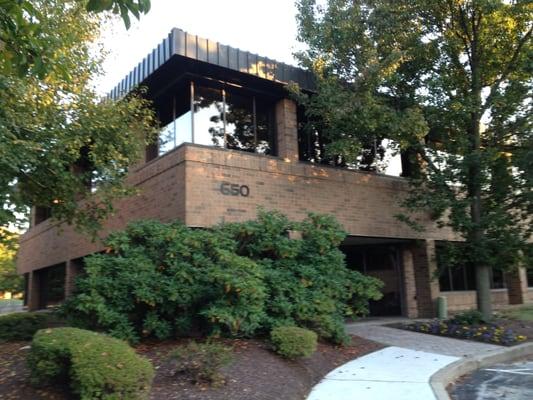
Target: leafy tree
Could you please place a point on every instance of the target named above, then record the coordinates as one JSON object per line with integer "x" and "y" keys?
{"x": 26, "y": 44}
{"x": 58, "y": 140}
{"x": 9, "y": 280}
{"x": 451, "y": 83}
{"x": 239, "y": 279}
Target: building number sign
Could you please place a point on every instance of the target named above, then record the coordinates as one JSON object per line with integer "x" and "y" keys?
{"x": 234, "y": 189}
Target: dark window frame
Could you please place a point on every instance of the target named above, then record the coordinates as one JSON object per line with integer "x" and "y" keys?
{"x": 262, "y": 108}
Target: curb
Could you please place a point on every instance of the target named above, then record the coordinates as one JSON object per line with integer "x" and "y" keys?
{"x": 441, "y": 379}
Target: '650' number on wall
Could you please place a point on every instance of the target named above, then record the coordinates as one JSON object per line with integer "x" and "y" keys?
{"x": 234, "y": 189}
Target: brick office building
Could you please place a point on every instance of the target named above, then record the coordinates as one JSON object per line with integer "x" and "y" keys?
{"x": 232, "y": 141}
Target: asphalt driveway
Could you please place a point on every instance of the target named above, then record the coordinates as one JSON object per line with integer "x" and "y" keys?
{"x": 513, "y": 381}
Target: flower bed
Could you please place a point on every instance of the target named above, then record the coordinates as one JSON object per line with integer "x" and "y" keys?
{"x": 489, "y": 333}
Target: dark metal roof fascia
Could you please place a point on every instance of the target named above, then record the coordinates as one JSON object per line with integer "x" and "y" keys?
{"x": 184, "y": 44}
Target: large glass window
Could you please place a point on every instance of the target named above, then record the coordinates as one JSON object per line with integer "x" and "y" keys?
{"x": 224, "y": 116}
{"x": 378, "y": 154}
{"x": 208, "y": 116}
{"x": 455, "y": 275}
{"x": 178, "y": 127}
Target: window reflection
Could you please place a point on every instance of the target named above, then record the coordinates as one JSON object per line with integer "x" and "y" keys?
{"x": 240, "y": 122}
{"x": 208, "y": 116}
{"x": 178, "y": 129}
{"x": 223, "y": 117}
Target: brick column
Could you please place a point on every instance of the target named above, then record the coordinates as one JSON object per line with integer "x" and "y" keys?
{"x": 73, "y": 268}
{"x": 517, "y": 285}
{"x": 33, "y": 291}
{"x": 410, "y": 307}
{"x": 287, "y": 130}
{"x": 427, "y": 285}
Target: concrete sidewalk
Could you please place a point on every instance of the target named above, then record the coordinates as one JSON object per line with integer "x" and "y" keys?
{"x": 402, "y": 371}
{"x": 391, "y": 373}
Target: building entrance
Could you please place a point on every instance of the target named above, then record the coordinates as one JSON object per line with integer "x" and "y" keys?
{"x": 382, "y": 261}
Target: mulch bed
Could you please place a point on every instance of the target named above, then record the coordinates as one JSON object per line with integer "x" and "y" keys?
{"x": 14, "y": 376}
{"x": 524, "y": 328}
{"x": 255, "y": 374}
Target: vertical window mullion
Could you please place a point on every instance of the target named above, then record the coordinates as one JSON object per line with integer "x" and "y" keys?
{"x": 224, "y": 117}
{"x": 192, "y": 111}
{"x": 174, "y": 118}
{"x": 254, "y": 119}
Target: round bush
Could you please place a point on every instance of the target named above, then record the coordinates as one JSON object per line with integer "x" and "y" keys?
{"x": 95, "y": 366}
{"x": 293, "y": 342}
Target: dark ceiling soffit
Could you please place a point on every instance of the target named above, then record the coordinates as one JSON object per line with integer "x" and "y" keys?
{"x": 184, "y": 44}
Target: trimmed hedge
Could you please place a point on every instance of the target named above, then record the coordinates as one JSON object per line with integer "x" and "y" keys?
{"x": 96, "y": 366}
{"x": 22, "y": 325}
{"x": 293, "y": 342}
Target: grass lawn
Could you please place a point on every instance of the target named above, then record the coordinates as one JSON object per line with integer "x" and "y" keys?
{"x": 521, "y": 314}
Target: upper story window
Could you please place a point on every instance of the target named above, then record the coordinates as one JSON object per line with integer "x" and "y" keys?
{"x": 220, "y": 115}
{"x": 377, "y": 154}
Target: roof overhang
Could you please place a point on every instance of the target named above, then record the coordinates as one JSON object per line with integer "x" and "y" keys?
{"x": 182, "y": 54}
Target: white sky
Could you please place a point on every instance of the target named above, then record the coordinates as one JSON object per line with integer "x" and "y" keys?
{"x": 265, "y": 27}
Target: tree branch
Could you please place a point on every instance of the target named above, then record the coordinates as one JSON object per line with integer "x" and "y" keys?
{"x": 507, "y": 70}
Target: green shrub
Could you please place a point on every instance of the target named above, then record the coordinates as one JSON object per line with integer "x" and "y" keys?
{"x": 293, "y": 342}
{"x": 202, "y": 361}
{"x": 470, "y": 317}
{"x": 22, "y": 325}
{"x": 96, "y": 366}
{"x": 239, "y": 279}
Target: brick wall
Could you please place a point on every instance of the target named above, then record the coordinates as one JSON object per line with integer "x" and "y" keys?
{"x": 365, "y": 203}
{"x": 466, "y": 300}
{"x": 161, "y": 194}
{"x": 185, "y": 184}
{"x": 410, "y": 306}
{"x": 427, "y": 287}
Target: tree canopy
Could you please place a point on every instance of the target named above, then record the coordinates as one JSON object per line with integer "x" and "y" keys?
{"x": 58, "y": 140}
{"x": 10, "y": 281}
{"x": 26, "y": 44}
{"x": 451, "y": 83}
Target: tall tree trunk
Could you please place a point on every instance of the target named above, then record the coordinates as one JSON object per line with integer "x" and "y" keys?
{"x": 477, "y": 234}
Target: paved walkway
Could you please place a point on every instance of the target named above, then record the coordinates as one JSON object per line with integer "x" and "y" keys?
{"x": 401, "y": 371}
{"x": 373, "y": 330}
{"x": 392, "y": 373}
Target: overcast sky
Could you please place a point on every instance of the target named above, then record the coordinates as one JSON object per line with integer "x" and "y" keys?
{"x": 266, "y": 27}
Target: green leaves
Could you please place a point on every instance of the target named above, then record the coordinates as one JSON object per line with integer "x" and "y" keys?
{"x": 238, "y": 279}
{"x": 57, "y": 136}
{"x": 122, "y": 7}
{"x": 451, "y": 83}
{"x": 10, "y": 281}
